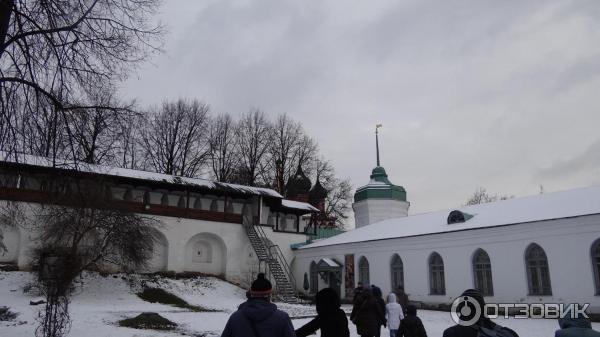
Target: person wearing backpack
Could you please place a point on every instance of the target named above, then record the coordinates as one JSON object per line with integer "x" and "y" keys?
{"x": 484, "y": 327}
{"x": 394, "y": 314}
{"x": 330, "y": 318}
{"x": 411, "y": 325}
{"x": 575, "y": 327}
{"x": 366, "y": 314}
{"x": 258, "y": 317}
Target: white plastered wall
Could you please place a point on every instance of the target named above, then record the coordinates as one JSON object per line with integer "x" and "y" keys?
{"x": 567, "y": 243}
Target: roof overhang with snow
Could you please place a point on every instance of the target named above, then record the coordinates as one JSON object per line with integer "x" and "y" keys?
{"x": 543, "y": 207}
{"x": 133, "y": 176}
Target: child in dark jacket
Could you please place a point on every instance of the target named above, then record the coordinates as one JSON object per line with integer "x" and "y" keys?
{"x": 411, "y": 325}
{"x": 330, "y": 318}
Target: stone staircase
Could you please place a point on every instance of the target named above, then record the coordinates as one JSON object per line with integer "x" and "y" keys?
{"x": 272, "y": 256}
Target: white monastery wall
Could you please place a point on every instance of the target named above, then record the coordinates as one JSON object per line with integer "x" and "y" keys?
{"x": 187, "y": 245}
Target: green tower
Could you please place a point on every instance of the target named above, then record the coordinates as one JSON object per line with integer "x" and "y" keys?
{"x": 380, "y": 199}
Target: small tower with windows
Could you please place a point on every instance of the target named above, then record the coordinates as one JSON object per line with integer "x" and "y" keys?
{"x": 379, "y": 199}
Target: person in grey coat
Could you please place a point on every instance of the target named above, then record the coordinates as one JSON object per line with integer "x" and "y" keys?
{"x": 258, "y": 317}
{"x": 575, "y": 327}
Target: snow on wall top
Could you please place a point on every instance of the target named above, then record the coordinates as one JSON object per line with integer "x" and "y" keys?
{"x": 576, "y": 202}
{"x": 298, "y": 205}
{"x": 138, "y": 174}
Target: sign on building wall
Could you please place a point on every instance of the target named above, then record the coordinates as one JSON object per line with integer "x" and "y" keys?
{"x": 349, "y": 275}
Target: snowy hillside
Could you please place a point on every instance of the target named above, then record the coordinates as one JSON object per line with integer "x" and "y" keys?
{"x": 100, "y": 302}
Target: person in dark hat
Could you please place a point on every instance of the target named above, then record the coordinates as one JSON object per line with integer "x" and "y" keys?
{"x": 258, "y": 317}
{"x": 482, "y": 324}
{"x": 330, "y": 318}
{"x": 411, "y": 325}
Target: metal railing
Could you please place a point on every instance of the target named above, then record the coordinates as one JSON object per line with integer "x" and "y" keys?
{"x": 273, "y": 253}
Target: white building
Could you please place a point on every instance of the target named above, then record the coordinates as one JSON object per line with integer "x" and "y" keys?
{"x": 208, "y": 227}
{"x": 538, "y": 249}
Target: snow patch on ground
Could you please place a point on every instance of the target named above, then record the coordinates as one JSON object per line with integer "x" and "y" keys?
{"x": 99, "y": 302}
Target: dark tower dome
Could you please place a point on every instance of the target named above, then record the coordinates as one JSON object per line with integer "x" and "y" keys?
{"x": 317, "y": 193}
{"x": 298, "y": 184}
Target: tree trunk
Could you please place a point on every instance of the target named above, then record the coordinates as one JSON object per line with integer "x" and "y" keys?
{"x": 6, "y": 7}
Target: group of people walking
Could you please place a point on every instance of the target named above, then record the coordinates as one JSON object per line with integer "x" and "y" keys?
{"x": 370, "y": 313}
{"x": 258, "y": 317}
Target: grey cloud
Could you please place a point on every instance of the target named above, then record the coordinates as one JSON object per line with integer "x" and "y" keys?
{"x": 471, "y": 93}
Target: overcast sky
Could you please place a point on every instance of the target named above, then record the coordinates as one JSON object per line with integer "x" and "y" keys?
{"x": 499, "y": 94}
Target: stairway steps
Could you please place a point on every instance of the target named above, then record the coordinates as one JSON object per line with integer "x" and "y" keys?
{"x": 284, "y": 286}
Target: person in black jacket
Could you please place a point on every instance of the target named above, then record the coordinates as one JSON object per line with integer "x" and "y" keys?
{"x": 330, "y": 318}
{"x": 483, "y": 322}
{"x": 366, "y": 314}
{"x": 411, "y": 325}
{"x": 381, "y": 303}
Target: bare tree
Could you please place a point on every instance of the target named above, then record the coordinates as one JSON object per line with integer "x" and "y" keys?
{"x": 129, "y": 150}
{"x": 42, "y": 134}
{"x": 93, "y": 134}
{"x": 223, "y": 154}
{"x": 339, "y": 191}
{"x": 174, "y": 138}
{"x": 96, "y": 232}
{"x": 339, "y": 201}
{"x": 289, "y": 146}
{"x": 54, "y": 55}
{"x": 285, "y": 135}
{"x": 252, "y": 136}
{"x": 481, "y": 196}
{"x": 84, "y": 229}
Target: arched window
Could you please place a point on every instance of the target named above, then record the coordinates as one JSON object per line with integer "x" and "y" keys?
{"x": 596, "y": 264}
{"x": 214, "y": 205}
{"x": 437, "y": 283}
{"x": 198, "y": 203}
{"x": 247, "y": 214}
{"x": 482, "y": 273}
{"x": 181, "y": 203}
{"x": 397, "y": 272}
{"x": 282, "y": 225}
{"x": 229, "y": 206}
{"x": 128, "y": 196}
{"x": 164, "y": 200}
{"x": 538, "y": 274}
{"x": 314, "y": 278}
{"x": 146, "y": 198}
{"x": 363, "y": 271}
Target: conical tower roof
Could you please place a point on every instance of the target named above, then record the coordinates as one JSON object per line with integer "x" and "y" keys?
{"x": 380, "y": 187}
{"x": 318, "y": 192}
{"x": 298, "y": 184}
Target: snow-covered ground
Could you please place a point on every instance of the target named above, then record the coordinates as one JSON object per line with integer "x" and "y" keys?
{"x": 99, "y": 302}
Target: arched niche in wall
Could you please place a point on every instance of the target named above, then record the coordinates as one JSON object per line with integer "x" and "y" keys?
{"x": 160, "y": 254}
{"x": 206, "y": 253}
